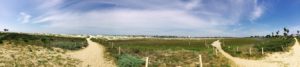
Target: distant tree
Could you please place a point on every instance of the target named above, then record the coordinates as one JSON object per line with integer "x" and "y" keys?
{"x": 285, "y": 31}
{"x": 268, "y": 36}
{"x": 5, "y": 30}
{"x": 298, "y": 32}
{"x": 277, "y": 33}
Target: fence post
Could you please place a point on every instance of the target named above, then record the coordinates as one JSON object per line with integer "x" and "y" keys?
{"x": 282, "y": 48}
{"x": 216, "y": 51}
{"x": 147, "y": 58}
{"x": 119, "y": 51}
{"x": 200, "y": 60}
{"x": 224, "y": 43}
{"x": 262, "y": 50}
{"x": 206, "y": 44}
{"x": 112, "y": 44}
{"x": 237, "y": 48}
{"x": 250, "y": 51}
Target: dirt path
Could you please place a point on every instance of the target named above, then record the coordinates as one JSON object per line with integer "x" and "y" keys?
{"x": 289, "y": 59}
{"x": 92, "y": 56}
{"x": 277, "y": 59}
{"x": 244, "y": 62}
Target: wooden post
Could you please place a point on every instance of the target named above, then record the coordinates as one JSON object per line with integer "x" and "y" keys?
{"x": 237, "y": 48}
{"x": 282, "y": 48}
{"x": 262, "y": 50}
{"x": 216, "y": 51}
{"x": 189, "y": 43}
{"x": 112, "y": 44}
{"x": 206, "y": 44}
{"x": 119, "y": 51}
{"x": 200, "y": 61}
{"x": 147, "y": 58}
{"x": 224, "y": 43}
{"x": 250, "y": 51}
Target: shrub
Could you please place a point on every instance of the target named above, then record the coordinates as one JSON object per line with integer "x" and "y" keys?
{"x": 70, "y": 43}
{"x": 126, "y": 60}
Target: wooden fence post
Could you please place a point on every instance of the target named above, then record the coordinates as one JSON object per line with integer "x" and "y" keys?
{"x": 206, "y": 44}
{"x": 147, "y": 58}
{"x": 224, "y": 43}
{"x": 237, "y": 48}
{"x": 200, "y": 60}
{"x": 282, "y": 48}
{"x": 112, "y": 44}
{"x": 262, "y": 50}
{"x": 216, "y": 51}
{"x": 119, "y": 50}
{"x": 250, "y": 51}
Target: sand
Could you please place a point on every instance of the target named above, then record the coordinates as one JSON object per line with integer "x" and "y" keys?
{"x": 277, "y": 59}
{"x": 92, "y": 56}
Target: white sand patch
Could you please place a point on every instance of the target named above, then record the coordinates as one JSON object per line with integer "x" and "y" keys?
{"x": 92, "y": 56}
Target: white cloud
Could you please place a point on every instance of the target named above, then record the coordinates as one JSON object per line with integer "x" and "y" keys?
{"x": 24, "y": 17}
{"x": 49, "y": 3}
{"x": 258, "y": 10}
{"x": 153, "y": 17}
{"x": 193, "y": 4}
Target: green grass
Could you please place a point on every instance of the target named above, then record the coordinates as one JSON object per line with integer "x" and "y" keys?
{"x": 163, "y": 52}
{"x": 70, "y": 43}
{"x": 256, "y": 45}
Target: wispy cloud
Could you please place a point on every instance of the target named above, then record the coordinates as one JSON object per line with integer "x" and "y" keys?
{"x": 199, "y": 17}
{"x": 258, "y": 10}
{"x": 24, "y": 17}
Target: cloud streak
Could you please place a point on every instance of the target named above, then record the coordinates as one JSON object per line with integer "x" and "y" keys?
{"x": 198, "y": 17}
{"x": 258, "y": 10}
{"x": 24, "y": 17}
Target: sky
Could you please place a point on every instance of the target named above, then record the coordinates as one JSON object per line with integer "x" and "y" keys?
{"x": 204, "y": 18}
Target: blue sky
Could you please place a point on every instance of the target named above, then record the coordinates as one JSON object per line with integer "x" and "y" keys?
{"x": 151, "y": 17}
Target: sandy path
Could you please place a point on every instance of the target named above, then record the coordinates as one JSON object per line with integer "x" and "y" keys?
{"x": 244, "y": 62}
{"x": 277, "y": 59}
{"x": 92, "y": 56}
{"x": 289, "y": 59}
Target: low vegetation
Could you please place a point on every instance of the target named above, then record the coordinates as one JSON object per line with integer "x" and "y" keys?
{"x": 28, "y": 50}
{"x": 164, "y": 53}
{"x": 70, "y": 43}
{"x": 34, "y": 56}
{"x": 240, "y": 47}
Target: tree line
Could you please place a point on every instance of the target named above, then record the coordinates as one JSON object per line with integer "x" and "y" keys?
{"x": 285, "y": 32}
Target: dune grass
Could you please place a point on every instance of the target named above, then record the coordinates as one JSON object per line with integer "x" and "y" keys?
{"x": 34, "y": 56}
{"x": 70, "y": 43}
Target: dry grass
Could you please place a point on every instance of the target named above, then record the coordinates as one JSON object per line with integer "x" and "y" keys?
{"x": 34, "y": 56}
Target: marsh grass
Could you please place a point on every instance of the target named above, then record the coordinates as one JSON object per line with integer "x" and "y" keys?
{"x": 256, "y": 44}
{"x": 166, "y": 53}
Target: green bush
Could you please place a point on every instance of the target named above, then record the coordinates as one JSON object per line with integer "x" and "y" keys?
{"x": 126, "y": 60}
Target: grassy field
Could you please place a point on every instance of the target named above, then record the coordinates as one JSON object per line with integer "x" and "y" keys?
{"x": 70, "y": 43}
{"x": 163, "y": 53}
{"x": 239, "y": 47}
{"x": 184, "y": 52}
